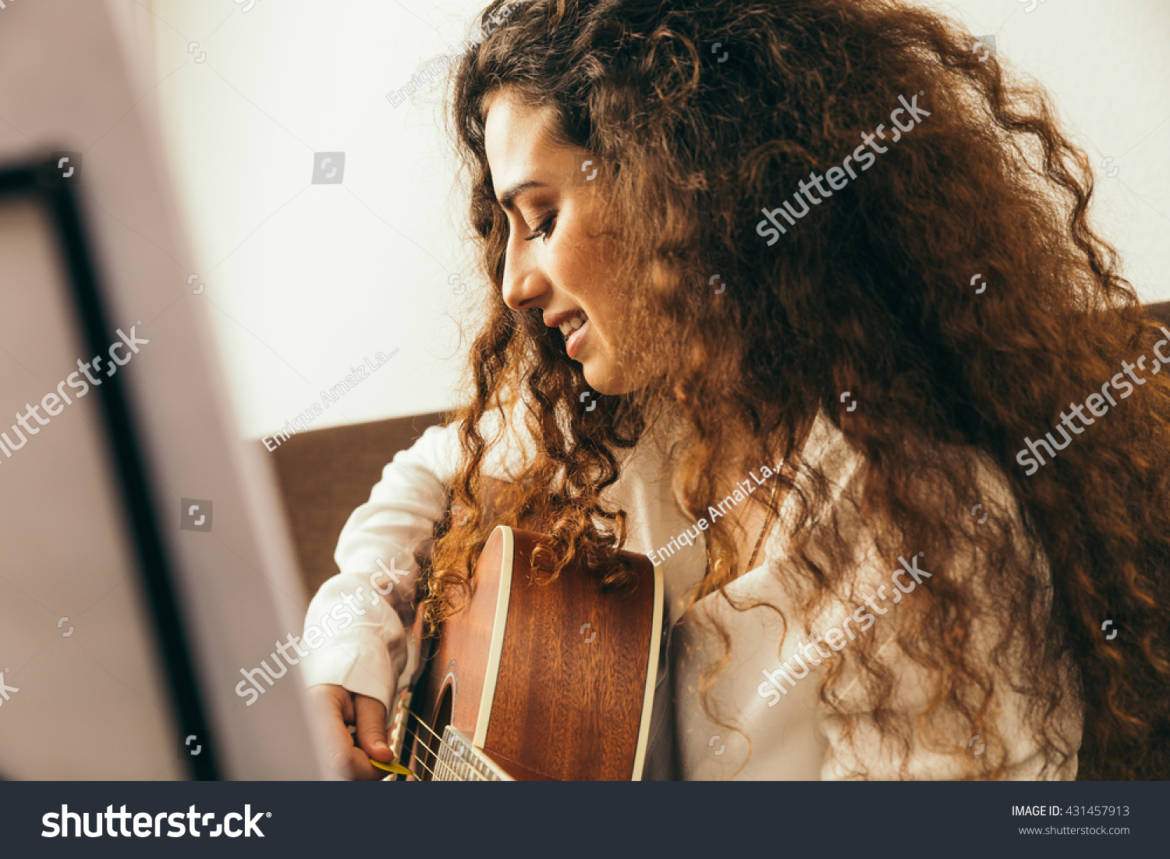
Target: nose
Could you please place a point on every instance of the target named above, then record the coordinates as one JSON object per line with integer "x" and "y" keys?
{"x": 525, "y": 286}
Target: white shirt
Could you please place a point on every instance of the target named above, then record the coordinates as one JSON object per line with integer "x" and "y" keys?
{"x": 364, "y": 645}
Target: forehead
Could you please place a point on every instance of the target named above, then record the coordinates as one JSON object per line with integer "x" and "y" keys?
{"x": 517, "y": 138}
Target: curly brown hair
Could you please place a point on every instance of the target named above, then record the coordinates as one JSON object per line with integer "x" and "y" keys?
{"x": 873, "y": 294}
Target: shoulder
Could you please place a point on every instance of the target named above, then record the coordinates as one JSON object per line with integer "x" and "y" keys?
{"x": 831, "y": 493}
{"x": 992, "y": 552}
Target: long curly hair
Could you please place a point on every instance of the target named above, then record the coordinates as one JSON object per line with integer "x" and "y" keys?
{"x": 955, "y": 290}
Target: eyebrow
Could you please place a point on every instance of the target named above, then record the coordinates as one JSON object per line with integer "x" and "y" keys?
{"x": 508, "y": 197}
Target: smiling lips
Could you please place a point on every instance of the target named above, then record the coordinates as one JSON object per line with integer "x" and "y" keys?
{"x": 573, "y": 329}
{"x": 572, "y": 323}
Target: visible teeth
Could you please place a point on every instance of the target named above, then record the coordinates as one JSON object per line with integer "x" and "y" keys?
{"x": 569, "y": 326}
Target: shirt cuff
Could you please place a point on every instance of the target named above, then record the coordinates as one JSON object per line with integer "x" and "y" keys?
{"x": 362, "y": 668}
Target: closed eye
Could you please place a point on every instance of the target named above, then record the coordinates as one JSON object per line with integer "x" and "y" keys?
{"x": 545, "y": 229}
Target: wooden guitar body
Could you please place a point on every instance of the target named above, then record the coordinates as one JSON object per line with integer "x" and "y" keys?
{"x": 537, "y": 681}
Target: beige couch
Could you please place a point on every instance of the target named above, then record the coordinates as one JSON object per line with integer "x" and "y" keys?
{"x": 324, "y": 474}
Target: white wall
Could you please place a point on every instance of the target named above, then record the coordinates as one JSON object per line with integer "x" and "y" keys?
{"x": 1107, "y": 69}
{"x": 307, "y": 279}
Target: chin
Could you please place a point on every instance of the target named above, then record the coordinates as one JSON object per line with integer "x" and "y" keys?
{"x": 605, "y": 380}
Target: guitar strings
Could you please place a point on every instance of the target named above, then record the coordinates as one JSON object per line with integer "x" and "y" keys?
{"x": 444, "y": 764}
{"x": 442, "y": 743}
{"x": 419, "y": 761}
{"x": 457, "y": 751}
{"x": 430, "y": 730}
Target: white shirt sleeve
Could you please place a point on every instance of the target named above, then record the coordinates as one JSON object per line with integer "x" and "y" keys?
{"x": 359, "y": 617}
{"x": 360, "y": 613}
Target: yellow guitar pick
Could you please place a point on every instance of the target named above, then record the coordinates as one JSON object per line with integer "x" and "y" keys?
{"x": 392, "y": 767}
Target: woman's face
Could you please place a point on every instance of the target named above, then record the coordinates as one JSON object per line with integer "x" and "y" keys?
{"x": 555, "y": 260}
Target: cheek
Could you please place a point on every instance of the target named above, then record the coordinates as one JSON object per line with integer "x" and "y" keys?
{"x": 610, "y": 302}
{"x": 583, "y": 263}
{"x": 573, "y": 251}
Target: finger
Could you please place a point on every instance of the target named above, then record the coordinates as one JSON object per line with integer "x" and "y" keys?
{"x": 356, "y": 765}
{"x": 346, "y": 699}
{"x": 347, "y": 758}
{"x": 332, "y": 703}
{"x": 330, "y": 699}
{"x": 371, "y": 727}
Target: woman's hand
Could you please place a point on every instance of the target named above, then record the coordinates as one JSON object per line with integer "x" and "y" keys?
{"x": 338, "y": 707}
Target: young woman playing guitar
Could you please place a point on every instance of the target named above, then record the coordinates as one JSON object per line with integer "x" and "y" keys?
{"x": 827, "y": 239}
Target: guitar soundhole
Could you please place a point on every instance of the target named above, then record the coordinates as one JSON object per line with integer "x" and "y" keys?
{"x": 430, "y": 742}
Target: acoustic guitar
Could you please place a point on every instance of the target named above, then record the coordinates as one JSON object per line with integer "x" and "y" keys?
{"x": 549, "y": 681}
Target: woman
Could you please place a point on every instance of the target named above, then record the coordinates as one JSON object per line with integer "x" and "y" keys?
{"x": 833, "y": 239}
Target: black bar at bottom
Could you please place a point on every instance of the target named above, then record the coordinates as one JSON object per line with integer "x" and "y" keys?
{"x": 587, "y": 819}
